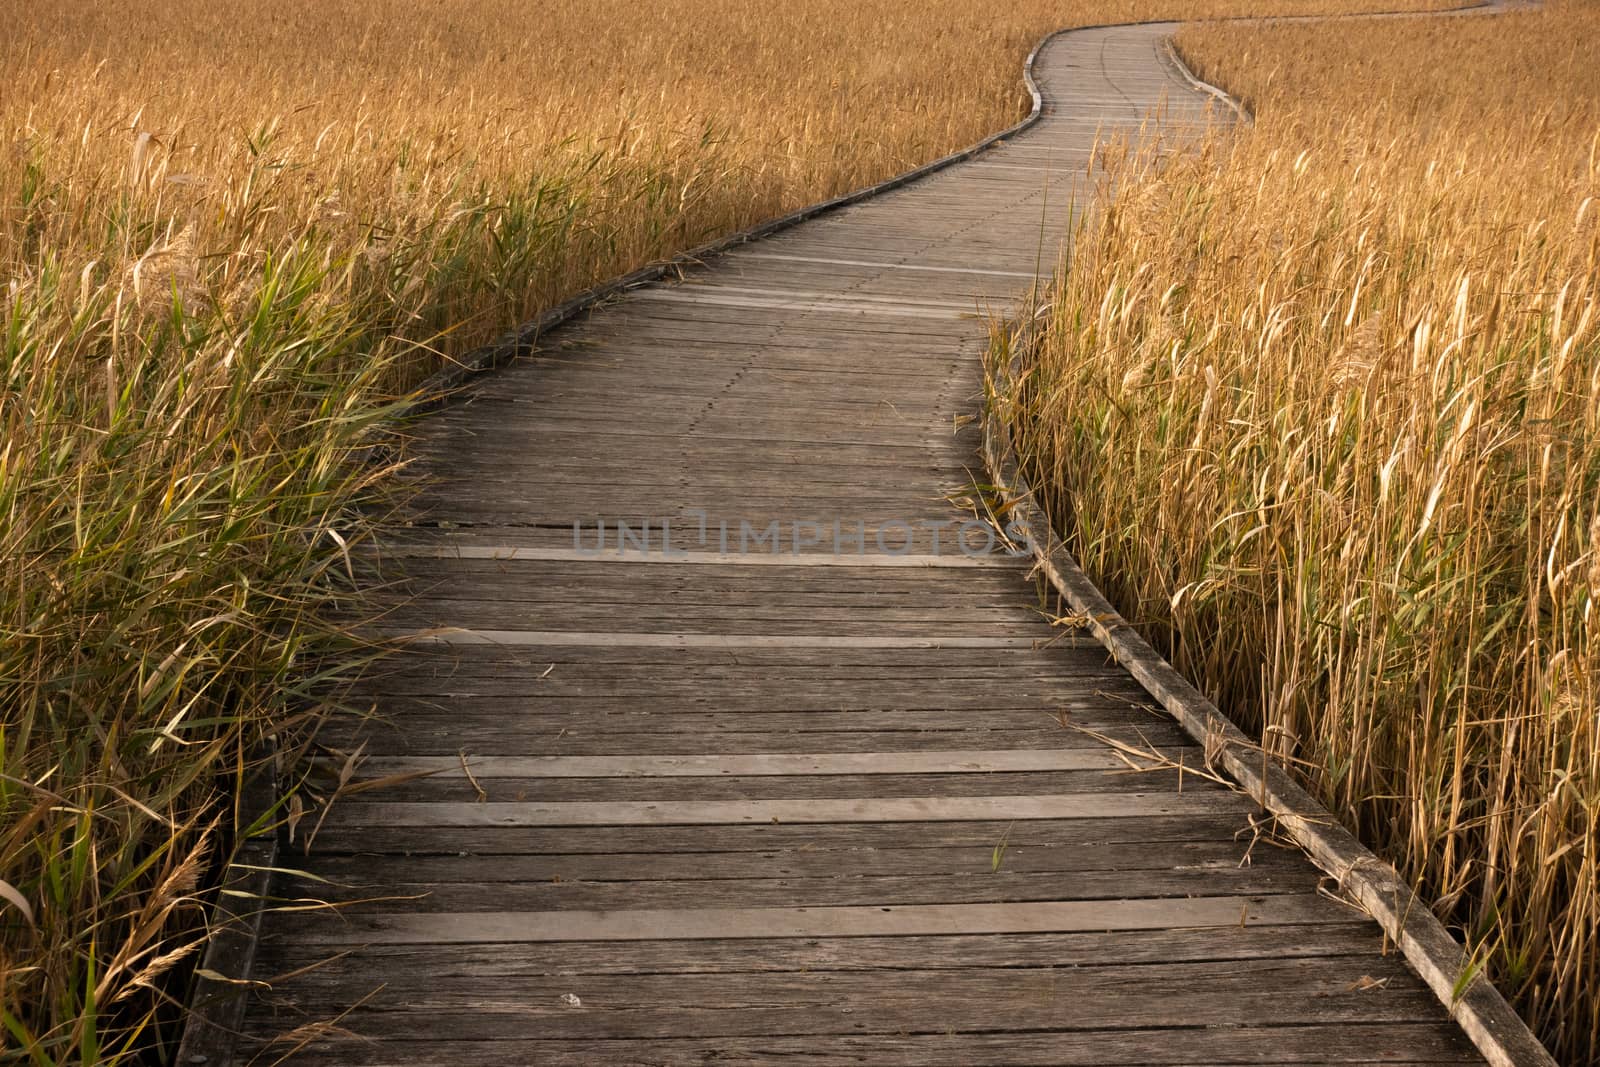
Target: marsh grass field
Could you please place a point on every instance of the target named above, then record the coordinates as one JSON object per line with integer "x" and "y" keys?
{"x": 1319, "y": 407}
{"x": 234, "y": 237}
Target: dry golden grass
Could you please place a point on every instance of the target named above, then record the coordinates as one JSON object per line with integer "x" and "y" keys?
{"x": 522, "y": 152}
{"x": 1323, "y": 406}
{"x": 226, "y": 232}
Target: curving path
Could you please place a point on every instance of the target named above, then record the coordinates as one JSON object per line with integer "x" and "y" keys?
{"x": 830, "y": 804}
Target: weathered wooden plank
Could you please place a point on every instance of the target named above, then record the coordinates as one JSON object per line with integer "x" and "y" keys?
{"x": 428, "y": 1016}
{"x": 786, "y": 613}
{"x": 513, "y": 446}
{"x": 820, "y": 810}
{"x": 541, "y": 727}
{"x": 1061, "y": 662}
{"x": 596, "y": 638}
{"x": 757, "y": 434}
{"x": 655, "y": 342}
{"x": 843, "y": 606}
{"x": 874, "y": 419}
{"x": 726, "y": 626}
{"x": 813, "y": 860}
{"x": 687, "y": 557}
{"x": 755, "y": 484}
{"x": 754, "y": 494}
{"x": 865, "y": 391}
{"x": 457, "y": 786}
{"x": 388, "y": 888}
{"x": 1282, "y": 993}
{"x": 597, "y": 366}
{"x": 833, "y": 602}
{"x": 637, "y": 499}
{"x": 1330, "y": 980}
{"x": 460, "y": 524}
{"x": 440, "y": 736}
{"x": 932, "y": 435}
{"x": 696, "y": 924}
{"x": 527, "y": 594}
{"x": 464, "y": 555}
{"x": 526, "y": 622}
{"x": 541, "y": 688}
{"x": 558, "y": 686}
{"x": 864, "y": 763}
{"x": 587, "y": 685}
{"x": 1344, "y": 1044}
{"x": 1158, "y": 832}
{"x": 473, "y": 603}
{"x": 1124, "y": 948}
{"x": 807, "y": 301}
{"x": 879, "y": 264}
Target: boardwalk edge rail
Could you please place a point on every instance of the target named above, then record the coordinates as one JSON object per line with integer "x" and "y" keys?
{"x": 1473, "y": 1002}
{"x": 1174, "y": 58}
{"x": 215, "y": 1010}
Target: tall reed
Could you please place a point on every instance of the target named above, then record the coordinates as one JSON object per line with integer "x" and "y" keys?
{"x": 1319, "y": 406}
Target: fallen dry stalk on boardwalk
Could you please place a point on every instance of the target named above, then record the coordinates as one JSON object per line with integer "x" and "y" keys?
{"x": 1324, "y": 401}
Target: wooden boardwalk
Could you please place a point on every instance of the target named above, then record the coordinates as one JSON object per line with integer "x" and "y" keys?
{"x": 830, "y": 804}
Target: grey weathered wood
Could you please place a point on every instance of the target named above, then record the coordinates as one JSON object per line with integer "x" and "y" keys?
{"x": 722, "y": 625}
{"x": 635, "y": 638}
{"x": 692, "y": 557}
{"x": 457, "y": 786}
{"x": 599, "y": 578}
{"x": 881, "y": 265}
{"x": 1123, "y": 948}
{"x": 876, "y": 809}
{"x": 816, "y": 860}
{"x": 774, "y": 838}
{"x": 873, "y": 921}
{"x": 437, "y": 735}
{"x": 426, "y": 1017}
{"x": 1338, "y": 1043}
{"x": 1072, "y": 666}
{"x": 388, "y": 889}
{"x": 1058, "y": 662}
{"x": 897, "y": 763}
